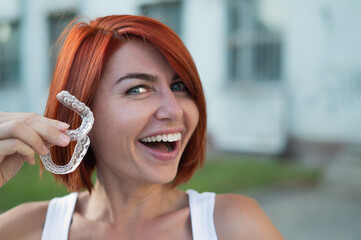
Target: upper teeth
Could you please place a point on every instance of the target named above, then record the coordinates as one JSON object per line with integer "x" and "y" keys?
{"x": 165, "y": 138}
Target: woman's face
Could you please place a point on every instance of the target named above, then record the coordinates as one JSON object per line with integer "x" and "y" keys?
{"x": 144, "y": 116}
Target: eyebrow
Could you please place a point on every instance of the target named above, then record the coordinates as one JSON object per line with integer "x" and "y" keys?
{"x": 143, "y": 76}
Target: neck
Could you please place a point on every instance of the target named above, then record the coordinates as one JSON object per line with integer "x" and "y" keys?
{"x": 124, "y": 204}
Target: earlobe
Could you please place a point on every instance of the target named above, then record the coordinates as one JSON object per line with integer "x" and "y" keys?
{"x": 79, "y": 135}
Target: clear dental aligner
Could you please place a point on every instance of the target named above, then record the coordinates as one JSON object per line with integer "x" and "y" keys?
{"x": 79, "y": 135}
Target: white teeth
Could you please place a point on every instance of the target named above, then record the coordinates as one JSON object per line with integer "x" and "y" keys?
{"x": 170, "y": 137}
{"x": 165, "y": 138}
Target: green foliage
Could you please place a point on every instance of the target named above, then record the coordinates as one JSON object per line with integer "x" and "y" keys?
{"x": 29, "y": 185}
{"x": 224, "y": 174}
{"x": 220, "y": 174}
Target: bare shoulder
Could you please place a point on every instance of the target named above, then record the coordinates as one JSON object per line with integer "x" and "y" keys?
{"x": 25, "y": 221}
{"x": 241, "y": 217}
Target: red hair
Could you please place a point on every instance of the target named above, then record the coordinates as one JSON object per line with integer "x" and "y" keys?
{"x": 79, "y": 69}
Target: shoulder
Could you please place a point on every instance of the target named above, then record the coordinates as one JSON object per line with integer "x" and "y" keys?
{"x": 25, "y": 221}
{"x": 241, "y": 217}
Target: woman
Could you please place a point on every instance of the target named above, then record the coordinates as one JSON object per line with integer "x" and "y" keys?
{"x": 139, "y": 80}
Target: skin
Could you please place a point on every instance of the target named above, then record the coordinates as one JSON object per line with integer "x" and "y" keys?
{"x": 131, "y": 199}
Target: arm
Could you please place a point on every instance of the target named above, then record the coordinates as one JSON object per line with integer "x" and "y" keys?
{"x": 240, "y": 217}
{"x": 25, "y": 221}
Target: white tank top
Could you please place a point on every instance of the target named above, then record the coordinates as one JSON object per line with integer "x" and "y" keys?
{"x": 60, "y": 213}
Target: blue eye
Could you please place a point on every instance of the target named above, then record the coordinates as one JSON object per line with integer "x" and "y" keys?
{"x": 137, "y": 90}
{"x": 178, "y": 87}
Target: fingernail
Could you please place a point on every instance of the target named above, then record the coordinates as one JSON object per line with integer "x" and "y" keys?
{"x": 64, "y": 139}
{"x": 63, "y": 125}
{"x": 45, "y": 150}
{"x": 32, "y": 161}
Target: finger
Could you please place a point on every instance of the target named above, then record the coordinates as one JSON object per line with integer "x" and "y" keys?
{"x": 8, "y": 116}
{"x": 61, "y": 126}
{"x": 13, "y": 146}
{"x": 17, "y": 129}
{"x": 48, "y": 129}
{"x": 30, "y": 159}
{"x": 9, "y": 168}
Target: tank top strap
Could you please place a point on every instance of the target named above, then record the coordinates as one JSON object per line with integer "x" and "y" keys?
{"x": 58, "y": 217}
{"x": 201, "y": 210}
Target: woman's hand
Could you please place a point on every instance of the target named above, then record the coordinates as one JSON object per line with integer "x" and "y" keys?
{"x": 24, "y": 134}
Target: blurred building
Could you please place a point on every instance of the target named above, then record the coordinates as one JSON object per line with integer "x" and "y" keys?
{"x": 273, "y": 70}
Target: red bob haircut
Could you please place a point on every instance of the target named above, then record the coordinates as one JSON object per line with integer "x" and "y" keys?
{"x": 79, "y": 69}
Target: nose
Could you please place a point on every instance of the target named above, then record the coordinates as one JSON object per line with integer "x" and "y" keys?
{"x": 169, "y": 107}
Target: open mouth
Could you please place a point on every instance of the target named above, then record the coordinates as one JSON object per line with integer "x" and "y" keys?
{"x": 164, "y": 143}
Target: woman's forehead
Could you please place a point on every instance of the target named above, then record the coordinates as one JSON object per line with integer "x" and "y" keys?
{"x": 135, "y": 55}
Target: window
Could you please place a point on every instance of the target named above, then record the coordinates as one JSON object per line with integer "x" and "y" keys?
{"x": 255, "y": 40}
{"x": 57, "y": 23}
{"x": 167, "y": 12}
{"x": 9, "y": 54}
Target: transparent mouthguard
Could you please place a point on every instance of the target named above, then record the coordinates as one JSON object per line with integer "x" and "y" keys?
{"x": 79, "y": 135}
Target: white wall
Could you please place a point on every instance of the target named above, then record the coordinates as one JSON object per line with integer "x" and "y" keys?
{"x": 9, "y": 98}
{"x": 248, "y": 119}
{"x": 96, "y": 8}
{"x": 204, "y": 35}
{"x": 318, "y": 100}
{"x": 324, "y": 69}
{"x": 9, "y": 10}
{"x": 31, "y": 95}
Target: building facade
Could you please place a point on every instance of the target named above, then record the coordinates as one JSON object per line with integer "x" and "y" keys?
{"x": 272, "y": 70}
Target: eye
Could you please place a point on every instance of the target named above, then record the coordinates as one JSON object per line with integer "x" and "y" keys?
{"x": 178, "y": 87}
{"x": 137, "y": 90}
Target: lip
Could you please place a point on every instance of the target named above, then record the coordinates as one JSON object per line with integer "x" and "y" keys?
{"x": 162, "y": 156}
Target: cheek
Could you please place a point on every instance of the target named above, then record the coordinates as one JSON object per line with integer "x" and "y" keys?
{"x": 119, "y": 123}
{"x": 132, "y": 117}
{"x": 191, "y": 114}
{"x": 112, "y": 133}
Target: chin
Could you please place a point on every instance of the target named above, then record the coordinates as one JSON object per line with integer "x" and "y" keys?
{"x": 161, "y": 178}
